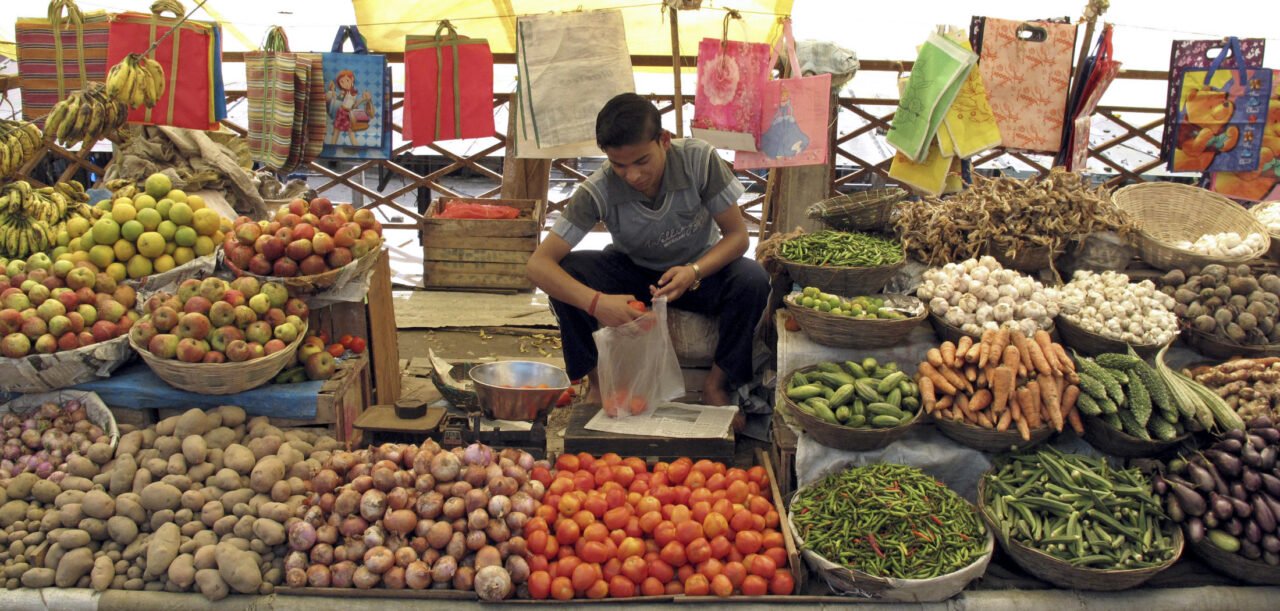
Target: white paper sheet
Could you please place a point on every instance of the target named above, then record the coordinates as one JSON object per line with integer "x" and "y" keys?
{"x": 676, "y": 420}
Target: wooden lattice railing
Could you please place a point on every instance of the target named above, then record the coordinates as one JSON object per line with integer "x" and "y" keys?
{"x": 853, "y": 169}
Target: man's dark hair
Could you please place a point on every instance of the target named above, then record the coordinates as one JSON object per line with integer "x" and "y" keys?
{"x": 627, "y": 119}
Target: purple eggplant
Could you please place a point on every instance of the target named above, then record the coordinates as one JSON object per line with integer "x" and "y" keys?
{"x": 1271, "y": 543}
{"x": 1235, "y": 434}
{"x": 1191, "y": 502}
{"x": 1238, "y": 491}
{"x": 1174, "y": 510}
{"x": 1195, "y": 530}
{"x": 1252, "y": 532}
{"x": 1200, "y": 477}
{"x": 1271, "y": 483}
{"x": 1263, "y": 515}
{"x": 1271, "y": 558}
{"x": 1268, "y": 461}
{"x": 1229, "y": 445}
{"x": 1234, "y": 527}
{"x": 1227, "y": 465}
{"x": 1220, "y": 506}
{"x": 1260, "y": 422}
{"x": 1268, "y": 434}
{"x": 1250, "y": 479}
{"x": 1158, "y": 485}
{"x": 1242, "y": 509}
{"x": 1250, "y": 456}
{"x": 1250, "y": 550}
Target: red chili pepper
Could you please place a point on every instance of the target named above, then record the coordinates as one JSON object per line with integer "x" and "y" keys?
{"x": 872, "y": 538}
{"x": 922, "y": 535}
{"x": 936, "y": 520}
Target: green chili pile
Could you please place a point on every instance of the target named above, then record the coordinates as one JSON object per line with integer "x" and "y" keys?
{"x": 889, "y": 521}
{"x": 1078, "y": 510}
{"x": 842, "y": 249}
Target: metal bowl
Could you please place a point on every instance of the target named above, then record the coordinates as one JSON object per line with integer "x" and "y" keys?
{"x": 498, "y": 387}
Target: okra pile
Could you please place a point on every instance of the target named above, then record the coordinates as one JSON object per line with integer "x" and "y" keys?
{"x": 857, "y": 395}
{"x": 889, "y": 520}
{"x": 1078, "y": 510}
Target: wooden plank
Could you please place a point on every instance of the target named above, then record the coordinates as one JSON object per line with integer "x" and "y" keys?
{"x": 383, "y": 343}
{"x": 478, "y": 281}
{"x": 475, "y": 255}
{"x": 527, "y": 244}
{"x": 788, "y": 538}
{"x": 466, "y": 267}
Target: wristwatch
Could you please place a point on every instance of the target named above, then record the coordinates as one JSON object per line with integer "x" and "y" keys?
{"x": 697, "y": 276}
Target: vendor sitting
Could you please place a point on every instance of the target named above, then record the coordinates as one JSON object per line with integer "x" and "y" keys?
{"x": 658, "y": 198}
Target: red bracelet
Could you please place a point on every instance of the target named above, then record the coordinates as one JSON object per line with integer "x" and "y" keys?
{"x": 592, "y": 308}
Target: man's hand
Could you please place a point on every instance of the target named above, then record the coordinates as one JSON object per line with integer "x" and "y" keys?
{"x": 613, "y": 310}
{"x": 674, "y": 283}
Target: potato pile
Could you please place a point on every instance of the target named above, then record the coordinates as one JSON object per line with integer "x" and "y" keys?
{"x": 199, "y": 501}
{"x": 1231, "y": 304}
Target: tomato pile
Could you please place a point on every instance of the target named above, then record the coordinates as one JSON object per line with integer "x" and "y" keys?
{"x": 609, "y": 527}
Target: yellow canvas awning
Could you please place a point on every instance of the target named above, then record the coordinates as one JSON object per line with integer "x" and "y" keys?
{"x": 385, "y": 24}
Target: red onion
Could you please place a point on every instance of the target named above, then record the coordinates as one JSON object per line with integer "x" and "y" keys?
{"x": 326, "y": 502}
{"x": 476, "y": 498}
{"x": 347, "y": 503}
{"x": 459, "y": 489}
{"x": 341, "y": 461}
{"x": 424, "y": 482}
{"x": 498, "y": 531}
{"x": 493, "y": 583}
{"x": 374, "y": 536}
{"x": 535, "y": 489}
{"x": 444, "y": 569}
{"x": 404, "y": 479}
{"x": 517, "y": 473}
{"x": 327, "y": 534}
{"x": 464, "y": 579}
{"x": 509, "y": 455}
{"x": 445, "y": 467}
{"x": 517, "y": 545}
{"x": 475, "y": 475}
{"x": 477, "y": 454}
{"x": 356, "y": 549}
{"x": 302, "y": 535}
{"x": 429, "y": 446}
{"x": 314, "y": 516}
{"x": 499, "y": 506}
{"x": 439, "y": 535}
{"x": 518, "y": 568}
{"x": 429, "y": 505}
{"x": 384, "y": 478}
{"x": 364, "y": 578}
{"x": 295, "y": 577}
{"x": 322, "y": 553}
{"x": 431, "y": 556}
{"x": 400, "y": 521}
{"x": 516, "y": 521}
{"x": 296, "y": 560}
{"x": 361, "y": 483}
{"x": 525, "y": 461}
{"x": 392, "y": 452}
{"x": 457, "y": 546}
{"x": 476, "y": 540}
{"x": 327, "y": 480}
{"x": 318, "y": 576}
{"x": 454, "y": 508}
{"x": 506, "y": 486}
{"x": 521, "y": 502}
{"x": 398, "y": 498}
{"x": 417, "y": 575}
{"x": 353, "y": 526}
{"x": 419, "y": 545}
{"x": 404, "y": 556}
{"x": 478, "y": 519}
{"x": 342, "y": 574}
{"x": 408, "y": 453}
{"x": 379, "y": 559}
{"x": 44, "y": 470}
{"x": 492, "y": 473}
{"x": 373, "y": 503}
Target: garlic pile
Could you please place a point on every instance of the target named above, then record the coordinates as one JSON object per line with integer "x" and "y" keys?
{"x": 1109, "y": 305}
{"x": 979, "y": 294}
{"x": 1269, "y": 216}
{"x": 1228, "y": 244}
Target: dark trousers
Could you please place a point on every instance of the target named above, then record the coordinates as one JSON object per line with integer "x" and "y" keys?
{"x": 736, "y": 294}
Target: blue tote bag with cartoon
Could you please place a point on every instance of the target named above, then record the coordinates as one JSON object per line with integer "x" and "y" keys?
{"x": 357, "y": 94}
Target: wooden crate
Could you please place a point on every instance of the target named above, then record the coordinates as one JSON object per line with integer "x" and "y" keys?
{"x": 481, "y": 253}
{"x": 783, "y": 452}
{"x": 338, "y": 319}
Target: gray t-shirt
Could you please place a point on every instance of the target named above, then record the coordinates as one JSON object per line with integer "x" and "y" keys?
{"x": 673, "y": 228}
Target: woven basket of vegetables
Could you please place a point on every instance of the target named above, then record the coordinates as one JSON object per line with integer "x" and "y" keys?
{"x": 843, "y": 263}
{"x": 1227, "y": 311}
{"x": 870, "y": 210}
{"x": 889, "y": 558}
{"x": 857, "y": 416}
{"x": 1132, "y": 409}
{"x": 869, "y": 322}
{"x": 1173, "y": 217}
{"x": 1110, "y": 534}
{"x": 1268, "y": 214}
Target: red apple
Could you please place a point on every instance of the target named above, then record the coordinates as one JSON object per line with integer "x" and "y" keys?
{"x": 329, "y": 224}
{"x": 194, "y": 325}
{"x": 165, "y": 318}
{"x": 238, "y": 351}
{"x": 273, "y": 346}
{"x": 69, "y": 299}
{"x": 285, "y": 268}
{"x": 77, "y": 321}
{"x": 296, "y": 307}
{"x": 321, "y": 206}
{"x": 213, "y": 356}
{"x": 339, "y": 257}
{"x": 239, "y": 255}
{"x": 298, "y": 206}
{"x": 188, "y": 289}
{"x": 164, "y": 346}
{"x": 298, "y": 249}
{"x": 274, "y": 248}
{"x": 222, "y": 337}
{"x": 260, "y": 243}
{"x": 68, "y": 341}
{"x": 322, "y": 244}
{"x": 86, "y": 338}
{"x": 260, "y": 265}
{"x": 142, "y": 332}
{"x": 192, "y": 350}
{"x": 319, "y": 366}
{"x": 304, "y": 231}
{"x": 33, "y": 327}
{"x": 222, "y": 314}
{"x": 364, "y": 217}
{"x": 289, "y": 220}
{"x": 275, "y": 317}
{"x": 258, "y": 332}
{"x": 347, "y": 235}
{"x": 197, "y": 303}
{"x": 313, "y": 265}
{"x": 103, "y": 330}
{"x": 126, "y": 295}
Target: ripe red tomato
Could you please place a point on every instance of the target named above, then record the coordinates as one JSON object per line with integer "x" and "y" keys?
{"x": 721, "y": 586}
{"x": 336, "y": 350}
{"x": 697, "y": 585}
{"x": 755, "y": 585}
{"x": 567, "y": 462}
{"x": 595, "y": 551}
{"x": 635, "y": 569}
{"x": 567, "y": 532}
{"x": 621, "y": 587}
{"x": 638, "y": 306}
{"x": 736, "y": 572}
{"x": 358, "y": 345}
{"x": 617, "y": 517}
{"x": 747, "y": 541}
{"x": 698, "y": 550}
{"x": 673, "y": 553}
{"x": 782, "y": 583}
{"x": 345, "y": 340}
{"x": 664, "y": 533}
{"x": 584, "y": 576}
{"x": 599, "y": 589}
{"x": 761, "y": 565}
{"x": 611, "y": 568}
{"x": 561, "y": 588}
{"x": 661, "y": 570}
{"x": 540, "y": 585}
{"x": 652, "y": 587}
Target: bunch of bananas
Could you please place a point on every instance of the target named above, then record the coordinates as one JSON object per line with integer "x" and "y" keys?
{"x": 19, "y": 140}
{"x": 85, "y": 116}
{"x": 136, "y": 81}
{"x": 31, "y": 218}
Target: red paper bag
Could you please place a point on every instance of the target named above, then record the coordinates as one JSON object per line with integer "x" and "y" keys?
{"x": 448, "y": 93}
{"x": 793, "y": 120}
{"x": 187, "y": 58}
{"x": 731, "y": 79}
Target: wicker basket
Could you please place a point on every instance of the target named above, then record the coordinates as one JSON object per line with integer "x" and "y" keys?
{"x": 1167, "y": 213}
{"x": 848, "y": 332}
{"x": 1274, "y": 251}
{"x": 842, "y": 437}
{"x": 45, "y": 372}
{"x": 870, "y": 210}
{"x": 461, "y": 397}
{"x": 1089, "y": 343}
{"x": 310, "y": 285}
{"x": 1062, "y": 574}
{"x": 990, "y": 440}
{"x": 1031, "y": 259}
{"x": 950, "y": 333}
{"x": 1100, "y": 435}
{"x": 842, "y": 280}
{"x": 1250, "y": 571}
{"x": 1216, "y": 348}
{"x": 220, "y": 378}
{"x": 97, "y": 411}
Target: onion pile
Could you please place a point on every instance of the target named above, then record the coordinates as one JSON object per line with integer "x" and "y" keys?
{"x": 42, "y": 440}
{"x": 410, "y": 517}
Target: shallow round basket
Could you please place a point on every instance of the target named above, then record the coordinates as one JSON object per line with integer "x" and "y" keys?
{"x": 499, "y": 388}
{"x": 842, "y": 280}
{"x": 843, "y": 437}
{"x": 991, "y": 440}
{"x": 1100, "y": 435}
{"x": 458, "y": 396}
{"x": 844, "y": 580}
{"x": 950, "y": 333}
{"x": 847, "y": 332}
{"x": 1062, "y": 574}
{"x": 310, "y": 285}
{"x": 1089, "y": 343}
{"x": 1274, "y": 251}
{"x": 1167, "y": 213}
{"x": 220, "y": 378}
{"x": 1255, "y": 572}
{"x": 98, "y": 412}
{"x": 869, "y": 210}
{"x": 1216, "y": 348}
{"x": 1030, "y": 259}
{"x": 45, "y": 372}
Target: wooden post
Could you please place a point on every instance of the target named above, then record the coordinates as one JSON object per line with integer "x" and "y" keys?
{"x": 678, "y": 102}
{"x": 522, "y": 178}
{"x": 383, "y": 344}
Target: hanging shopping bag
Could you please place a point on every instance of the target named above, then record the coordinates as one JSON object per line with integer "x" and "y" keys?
{"x": 637, "y": 364}
{"x": 448, "y": 92}
{"x": 59, "y": 54}
{"x": 271, "y": 75}
{"x": 936, "y": 78}
{"x": 569, "y": 65}
{"x": 1190, "y": 54}
{"x": 317, "y": 114}
{"x": 1220, "y": 116}
{"x": 1100, "y": 70}
{"x": 1026, "y": 66}
{"x": 188, "y": 58}
{"x": 1262, "y": 184}
{"x": 357, "y": 93}
{"x": 730, "y": 97}
{"x": 969, "y": 127}
{"x": 793, "y": 119}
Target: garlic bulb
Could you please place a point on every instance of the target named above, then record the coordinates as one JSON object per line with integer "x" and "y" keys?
{"x": 979, "y": 294}
{"x": 1229, "y": 244}
{"x": 1108, "y": 304}
{"x": 1270, "y": 216}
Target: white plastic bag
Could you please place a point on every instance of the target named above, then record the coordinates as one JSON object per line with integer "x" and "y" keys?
{"x": 637, "y": 364}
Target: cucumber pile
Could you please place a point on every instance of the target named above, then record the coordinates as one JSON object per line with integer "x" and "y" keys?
{"x": 856, "y": 395}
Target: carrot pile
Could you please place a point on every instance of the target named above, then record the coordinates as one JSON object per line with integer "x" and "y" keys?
{"x": 1004, "y": 380}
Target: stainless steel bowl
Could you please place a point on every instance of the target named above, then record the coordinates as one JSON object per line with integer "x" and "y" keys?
{"x": 499, "y": 388}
